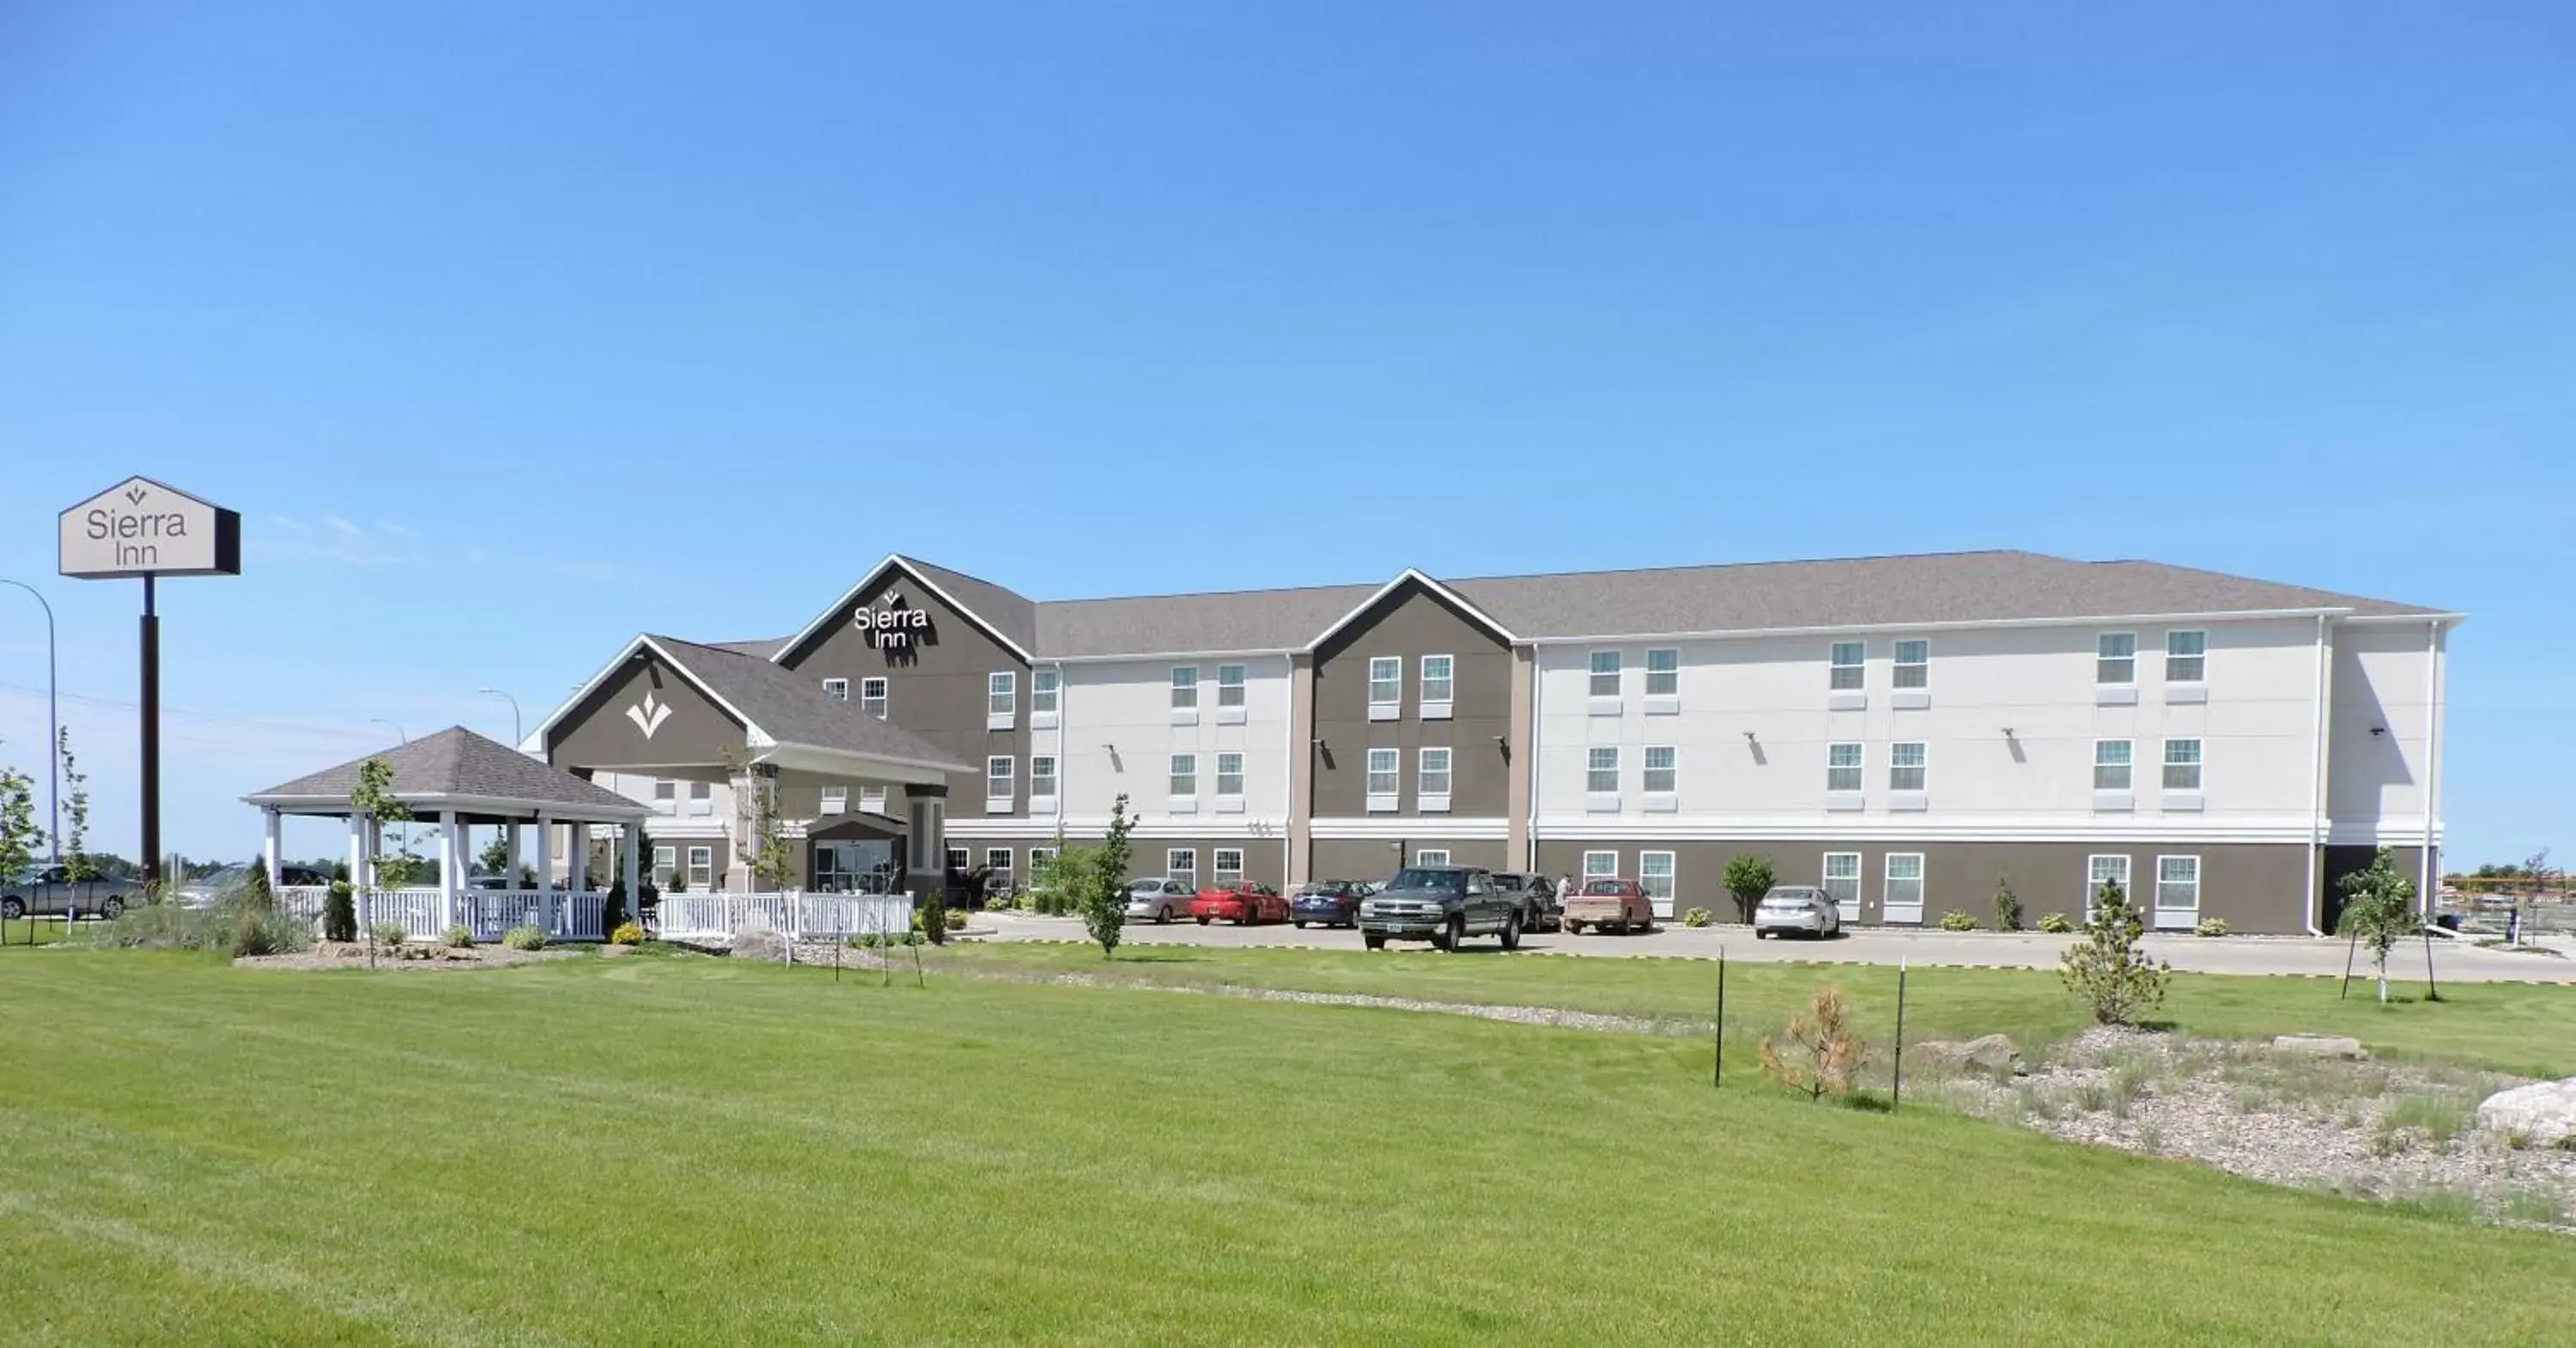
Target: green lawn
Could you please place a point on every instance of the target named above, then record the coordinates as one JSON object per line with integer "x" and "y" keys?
{"x": 2528, "y": 1029}
{"x": 690, "y": 1151}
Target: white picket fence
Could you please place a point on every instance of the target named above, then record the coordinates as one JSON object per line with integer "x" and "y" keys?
{"x": 799, "y": 914}
{"x": 425, "y": 915}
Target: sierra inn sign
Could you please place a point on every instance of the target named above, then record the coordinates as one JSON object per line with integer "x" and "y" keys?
{"x": 890, "y": 625}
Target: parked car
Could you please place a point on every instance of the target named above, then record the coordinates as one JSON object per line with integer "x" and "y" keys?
{"x": 1440, "y": 904}
{"x": 1610, "y": 905}
{"x": 48, "y": 891}
{"x": 1803, "y": 909}
{"x": 303, "y": 877}
{"x": 1243, "y": 904}
{"x": 1536, "y": 897}
{"x": 1160, "y": 899}
{"x": 1335, "y": 903}
{"x": 211, "y": 888}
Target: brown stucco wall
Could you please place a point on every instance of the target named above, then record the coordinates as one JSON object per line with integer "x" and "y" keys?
{"x": 2257, "y": 887}
{"x": 1375, "y": 859}
{"x": 1411, "y": 622}
{"x": 935, "y": 688}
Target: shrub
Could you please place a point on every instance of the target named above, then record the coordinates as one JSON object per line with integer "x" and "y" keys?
{"x": 931, "y": 917}
{"x": 255, "y": 893}
{"x": 1748, "y": 878}
{"x": 997, "y": 903}
{"x": 612, "y": 909}
{"x": 460, "y": 938}
{"x": 957, "y": 919}
{"x": 340, "y": 913}
{"x": 627, "y": 933}
{"x": 390, "y": 935}
{"x": 1697, "y": 917}
{"x": 2107, "y": 970}
{"x": 1818, "y": 1054}
{"x": 2211, "y": 926}
{"x": 1956, "y": 921}
{"x": 524, "y": 938}
{"x": 252, "y": 930}
{"x": 2055, "y": 924}
{"x": 2007, "y": 905}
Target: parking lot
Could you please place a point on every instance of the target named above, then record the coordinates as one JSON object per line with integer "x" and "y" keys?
{"x": 2453, "y": 960}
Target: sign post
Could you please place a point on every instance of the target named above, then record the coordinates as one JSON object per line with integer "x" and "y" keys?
{"x": 144, "y": 528}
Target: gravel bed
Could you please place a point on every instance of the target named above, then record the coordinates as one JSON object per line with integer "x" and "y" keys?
{"x": 353, "y": 955}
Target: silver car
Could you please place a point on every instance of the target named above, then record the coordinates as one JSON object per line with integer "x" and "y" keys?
{"x": 1803, "y": 909}
{"x": 1160, "y": 899}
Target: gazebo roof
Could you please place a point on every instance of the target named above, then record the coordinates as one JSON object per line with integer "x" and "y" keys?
{"x": 457, "y": 769}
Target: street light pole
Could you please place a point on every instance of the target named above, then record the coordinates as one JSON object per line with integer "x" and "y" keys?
{"x": 514, "y": 712}
{"x": 53, "y": 722}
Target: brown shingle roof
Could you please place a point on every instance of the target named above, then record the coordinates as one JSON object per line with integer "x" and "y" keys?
{"x": 794, "y": 710}
{"x": 458, "y": 762}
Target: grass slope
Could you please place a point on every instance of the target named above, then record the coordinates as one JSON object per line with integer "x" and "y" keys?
{"x": 682, "y": 1151}
{"x": 2524, "y": 1028}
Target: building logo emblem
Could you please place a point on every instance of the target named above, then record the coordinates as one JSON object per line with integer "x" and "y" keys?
{"x": 891, "y": 626}
{"x": 649, "y": 714}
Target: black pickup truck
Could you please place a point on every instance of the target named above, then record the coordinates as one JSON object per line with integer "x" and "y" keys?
{"x": 1443, "y": 905}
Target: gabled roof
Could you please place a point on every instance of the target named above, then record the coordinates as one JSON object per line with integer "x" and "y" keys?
{"x": 1413, "y": 577}
{"x": 457, "y": 765}
{"x": 1004, "y": 616}
{"x": 1935, "y": 589}
{"x": 788, "y": 708}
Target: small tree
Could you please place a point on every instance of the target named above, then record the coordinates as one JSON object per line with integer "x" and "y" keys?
{"x": 374, "y": 796}
{"x": 2379, "y": 909}
{"x": 494, "y": 859}
{"x": 256, "y": 896}
{"x": 340, "y": 913}
{"x": 1818, "y": 1055}
{"x": 19, "y": 833}
{"x": 1100, "y": 883}
{"x": 2007, "y": 905}
{"x": 1748, "y": 878}
{"x": 2106, "y": 968}
{"x": 77, "y": 863}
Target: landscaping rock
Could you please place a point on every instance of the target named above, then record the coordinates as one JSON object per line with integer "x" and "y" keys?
{"x": 1993, "y": 1055}
{"x": 2318, "y": 1045}
{"x": 755, "y": 939}
{"x": 2542, "y": 1114}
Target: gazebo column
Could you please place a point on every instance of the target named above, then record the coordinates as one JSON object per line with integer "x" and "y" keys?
{"x": 451, "y": 844}
{"x": 630, "y": 841}
{"x": 358, "y": 866}
{"x": 545, "y": 874}
{"x": 272, "y": 820}
{"x": 510, "y": 833}
{"x": 577, "y": 866}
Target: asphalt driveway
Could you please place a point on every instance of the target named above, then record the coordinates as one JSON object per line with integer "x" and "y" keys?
{"x": 2453, "y": 961}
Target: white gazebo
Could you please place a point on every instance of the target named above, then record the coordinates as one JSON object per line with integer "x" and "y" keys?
{"x": 459, "y": 780}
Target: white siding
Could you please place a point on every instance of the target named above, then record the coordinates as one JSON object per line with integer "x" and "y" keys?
{"x": 1128, "y": 706}
{"x": 2383, "y": 677}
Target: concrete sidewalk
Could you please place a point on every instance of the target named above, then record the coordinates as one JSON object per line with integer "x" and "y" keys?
{"x": 2453, "y": 961}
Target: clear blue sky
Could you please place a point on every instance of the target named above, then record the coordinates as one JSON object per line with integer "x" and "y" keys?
{"x": 514, "y": 329}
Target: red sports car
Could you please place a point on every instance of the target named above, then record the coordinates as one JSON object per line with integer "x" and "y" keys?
{"x": 1241, "y": 904}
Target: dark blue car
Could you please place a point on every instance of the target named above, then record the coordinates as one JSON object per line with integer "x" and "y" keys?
{"x": 1334, "y": 903}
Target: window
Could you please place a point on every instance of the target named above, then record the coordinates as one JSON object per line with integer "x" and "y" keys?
{"x": 1431, "y": 856}
{"x": 1601, "y": 771}
{"x": 837, "y": 689}
{"x": 1660, "y": 771}
{"x": 2186, "y": 661}
{"x": 1182, "y": 864}
{"x": 1229, "y": 689}
{"x": 1043, "y": 686}
{"x": 1229, "y": 866}
{"x": 2116, "y": 658}
{"x": 702, "y": 798}
{"x": 997, "y": 777}
{"x": 872, "y": 799}
{"x": 1185, "y": 774}
{"x": 1905, "y": 767}
{"x": 666, "y": 795}
{"x": 1842, "y": 880}
{"x": 1663, "y": 673}
{"x": 665, "y": 861}
{"x": 1600, "y": 865}
{"x": 1039, "y": 857}
{"x": 1435, "y": 772}
{"x": 1842, "y": 767}
{"x": 2182, "y": 765}
{"x": 2101, "y": 871}
{"x": 998, "y": 861}
{"x": 1655, "y": 876}
{"x": 1042, "y": 776}
{"x": 958, "y": 859}
{"x": 1904, "y": 887}
{"x": 1605, "y": 673}
{"x": 2178, "y": 883}
{"x": 2111, "y": 765}
{"x": 836, "y": 799}
{"x": 1383, "y": 766}
{"x": 1847, "y": 672}
{"x": 1437, "y": 683}
{"x": 1913, "y": 664}
{"x": 872, "y": 697}
{"x": 1185, "y": 687}
{"x": 1002, "y": 693}
{"x": 702, "y": 867}
{"x": 1229, "y": 775}
{"x": 1386, "y": 681}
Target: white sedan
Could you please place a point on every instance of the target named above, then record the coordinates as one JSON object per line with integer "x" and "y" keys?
{"x": 1803, "y": 909}
{"x": 1159, "y": 900}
